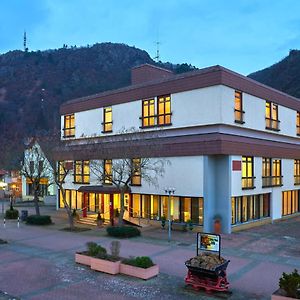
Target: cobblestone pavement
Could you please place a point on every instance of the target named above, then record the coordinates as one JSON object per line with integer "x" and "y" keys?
{"x": 38, "y": 262}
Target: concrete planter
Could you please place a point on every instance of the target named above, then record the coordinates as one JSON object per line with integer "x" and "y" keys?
{"x": 139, "y": 272}
{"x": 277, "y": 296}
{"x": 106, "y": 266}
{"x": 82, "y": 258}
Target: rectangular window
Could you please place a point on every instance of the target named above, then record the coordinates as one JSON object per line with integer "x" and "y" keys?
{"x": 61, "y": 171}
{"x": 69, "y": 126}
{"x": 82, "y": 171}
{"x": 271, "y": 173}
{"x": 298, "y": 123}
{"x": 136, "y": 171}
{"x": 272, "y": 121}
{"x": 297, "y": 171}
{"x": 163, "y": 116}
{"x": 164, "y": 110}
{"x": 238, "y": 108}
{"x": 107, "y": 171}
{"x": 107, "y": 119}
{"x": 247, "y": 172}
{"x": 290, "y": 202}
{"x": 249, "y": 208}
{"x": 148, "y": 116}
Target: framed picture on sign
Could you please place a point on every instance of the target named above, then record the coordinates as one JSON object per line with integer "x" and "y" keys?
{"x": 208, "y": 242}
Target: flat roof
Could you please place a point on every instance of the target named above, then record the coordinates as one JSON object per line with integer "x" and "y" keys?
{"x": 211, "y": 76}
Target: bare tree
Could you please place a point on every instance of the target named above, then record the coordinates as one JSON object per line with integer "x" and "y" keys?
{"x": 36, "y": 168}
{"x": 128, "y": 165}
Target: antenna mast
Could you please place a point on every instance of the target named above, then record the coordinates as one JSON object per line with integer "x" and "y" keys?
{"x": 25, "y": 42}
{"x": 157, "y": 57}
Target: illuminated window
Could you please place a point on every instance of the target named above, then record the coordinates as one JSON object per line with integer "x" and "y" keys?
{"x": 107, "y": 171}
{"x": 82, "y": 171}
{"x": 298, "y": 123}
{"x": 164, "y": 110}
{"x": 163, "y": 116}
{"x": 290, "y": 202}
{"x": 247, "y": 172}
{"x": 107, "y": 119}
{"x": 271, "y": 172}
{"x": 249, "y": 208}
{"x": 297, "y": 171}
{"x": 148, "y": 118}
{"x": 69, "y": 126}
{"x": 272, "y": 121}
{"x": 238, "y": 107}
{"x": 136, "y": 170}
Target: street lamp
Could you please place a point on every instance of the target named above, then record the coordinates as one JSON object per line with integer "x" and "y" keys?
{"x": 170, "y": 191}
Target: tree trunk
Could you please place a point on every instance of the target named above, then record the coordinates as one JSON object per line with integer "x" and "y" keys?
{"x": 36, "y": 202}
{"x": 122, "y": 208}
{"x": 70, "y": 218}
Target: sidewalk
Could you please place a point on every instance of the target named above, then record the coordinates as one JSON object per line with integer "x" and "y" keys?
{"x": 39, "y": 263}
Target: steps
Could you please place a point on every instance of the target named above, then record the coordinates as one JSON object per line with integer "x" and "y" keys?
{"x": 136, "y": 221}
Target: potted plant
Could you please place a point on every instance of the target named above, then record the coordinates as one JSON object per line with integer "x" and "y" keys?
{"x": 190, "y": 225}
{"x": 99, "y": 219}
{"x": 217, "y": 224}
{"x": 140, "y": 267}
{"x": 106, "y": 263}
{"x": 163, "y": 221}
{"x": 289, "y": 286}
{"x": 116, "y": 216}
{"x": 84, "y": 257}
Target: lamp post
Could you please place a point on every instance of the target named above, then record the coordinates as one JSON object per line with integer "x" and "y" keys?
{"x": 170, "y": 191}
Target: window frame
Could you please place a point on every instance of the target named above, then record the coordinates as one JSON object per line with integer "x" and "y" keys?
{"x": 238, "y": 113}
{"x": 136, "y": 172}
{"x": 107, "y": 177}
{"x": 81, "y": 177}
{"x": 105, "y": 123}
{"x": 272, "y": 121}
{"x": 69, "y": 130}
{"x": 268, "y": 178}
{"x": 298, "y": 123}
{"x": 165, "y": 114}
{"x": 296, "y": 171}
{"x": 248, "y": 181}
{"x": 146, "y": 107}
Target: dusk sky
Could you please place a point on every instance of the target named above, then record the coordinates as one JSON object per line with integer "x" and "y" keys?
{"x": 243, "y": 35}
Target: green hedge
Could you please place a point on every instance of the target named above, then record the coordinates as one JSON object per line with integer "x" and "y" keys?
{"x": 39, "y": 220}
{"x": 123, "y": 231}
{"x": 139, "y": 261}
{"x": 12, "y": 214}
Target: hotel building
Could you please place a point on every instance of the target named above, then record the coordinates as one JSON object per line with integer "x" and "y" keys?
{"x": 233, "y": 145}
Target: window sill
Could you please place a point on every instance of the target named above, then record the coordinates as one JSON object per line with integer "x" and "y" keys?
{"x": 273, "y": 129}
{"x": 109, "y": 131}
{"x": 80, "y": 182}
{"x": 68, "y": 136}
{"x": 158, "y": 125}
{"x": 249, "y": 188}
{"x": 135, "y": 184}
{"x": 276, "y": 185}
{"x": 239, "y": 122}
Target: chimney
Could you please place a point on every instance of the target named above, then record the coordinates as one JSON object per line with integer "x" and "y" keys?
{"x": 146, "y": 73}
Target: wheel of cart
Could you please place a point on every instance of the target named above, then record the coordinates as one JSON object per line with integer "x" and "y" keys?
{"x": 208, "y": 279}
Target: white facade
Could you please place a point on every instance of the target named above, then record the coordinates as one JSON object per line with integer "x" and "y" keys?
{"x": 208, "y": 113}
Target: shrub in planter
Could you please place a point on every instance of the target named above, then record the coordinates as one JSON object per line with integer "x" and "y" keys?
{"x": 12, "y": 214}
{"x": 139, "y": 261}
{"x": 290, "y": 283}
{"x": 190, "y": 225}
{"x": 39, "y": 220}
{"x": 141, "y": 267}
{"x": 123, "y": 231}
{"x": 163, "y": 221}
{"x": 94, "y": 249}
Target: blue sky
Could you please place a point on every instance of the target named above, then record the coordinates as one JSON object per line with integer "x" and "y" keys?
{"x": 243, "y": 35}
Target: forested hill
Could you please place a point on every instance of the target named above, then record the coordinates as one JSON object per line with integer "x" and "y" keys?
{"x": 284, "y": 75}
{"x": 33, "y": 84}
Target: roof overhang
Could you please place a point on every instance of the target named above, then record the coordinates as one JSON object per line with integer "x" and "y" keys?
{"x": 101, "y": 189}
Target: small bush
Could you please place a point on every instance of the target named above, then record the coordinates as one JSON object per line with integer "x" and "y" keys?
{"x": 290, "y": 283}
{"x": 38, "y": 220}
{"x": 139, "y": 261}
{"x": 12, "y": 214}
{"x": 95, "y": 250}
{"x": 123, "y": 231}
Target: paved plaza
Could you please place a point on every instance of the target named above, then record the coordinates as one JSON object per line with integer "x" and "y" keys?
{"x": 38, "y": 262}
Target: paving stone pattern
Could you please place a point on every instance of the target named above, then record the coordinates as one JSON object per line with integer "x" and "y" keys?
{"x": 38, "y": 262}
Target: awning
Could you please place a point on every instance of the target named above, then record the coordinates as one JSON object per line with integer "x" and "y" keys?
{"x": 100, "y": 189}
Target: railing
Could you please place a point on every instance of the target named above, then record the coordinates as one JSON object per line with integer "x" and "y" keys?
{"x": 271, "y": 181}
{"x": 272, "y": 124}
{"x": 248, "y": 182}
